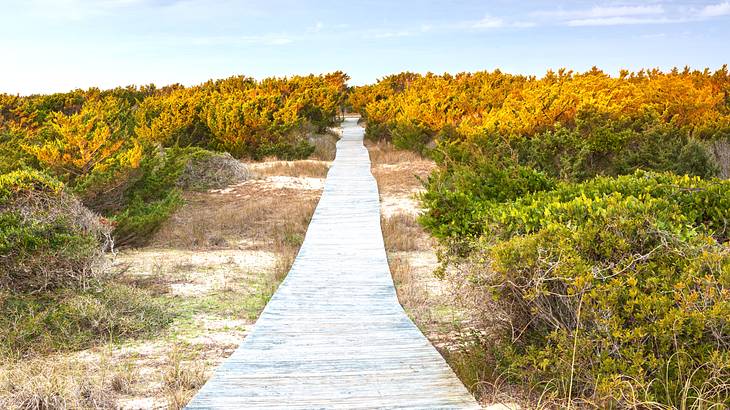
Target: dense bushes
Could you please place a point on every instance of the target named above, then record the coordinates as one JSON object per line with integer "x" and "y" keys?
{"x": 619, "y": 288}
{"x": 614, "y": 291}
{"x": 48, "y": 239}
{"x": 244, "y": 117}
{"x": 123, "y": 151}
{"x": 592, "y": 149}
{"x": 580, "y": 217}
{"x": 513, "y": 105}
{"x": 566, "y": 124}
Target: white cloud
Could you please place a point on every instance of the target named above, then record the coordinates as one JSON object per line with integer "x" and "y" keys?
{"x": 390, "y": 34}
{"x": 715, "y": 10}
{"x": 491, "y": 22}
{"x": 268, "y": 39}
{"x": 632, "y": 14}
{"x": 600, "y": 12}
{"x": 316, "y": 28}
{"x": 488, "y": 22}
{"x": 617, "y": 21}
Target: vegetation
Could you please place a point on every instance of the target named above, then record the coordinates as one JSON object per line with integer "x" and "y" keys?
{"x": 48, "y": 240}
{"x": 54, "y": 289}
{"x": 583, "y": 215}
{"x": 69, "y": 320}
{"x": 122, "y": 151}
{"x": 586, "y": 214}
{"x": 87, "y": 171}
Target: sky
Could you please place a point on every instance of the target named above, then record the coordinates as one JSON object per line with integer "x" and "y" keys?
{"x": 58, "y": 45}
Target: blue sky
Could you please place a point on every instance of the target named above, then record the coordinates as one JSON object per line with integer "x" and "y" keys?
{"x": 57, "y": 45}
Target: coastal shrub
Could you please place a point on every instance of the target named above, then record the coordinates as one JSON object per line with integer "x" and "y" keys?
{"x": 619, "y": 289}
{"x": 211, "y": 170}
{"x": 411, "y": 137}
{"x": 48, "y": 239}
{"x": 469, "y": 180}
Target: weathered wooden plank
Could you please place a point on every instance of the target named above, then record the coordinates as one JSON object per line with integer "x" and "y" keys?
{"x": 334, "y": 335}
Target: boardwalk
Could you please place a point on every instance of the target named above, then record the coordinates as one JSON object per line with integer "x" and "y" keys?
{"x": 334, "y": 334}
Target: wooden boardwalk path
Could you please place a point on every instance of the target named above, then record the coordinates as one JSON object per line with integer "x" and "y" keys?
{"x": 334, "y": 334}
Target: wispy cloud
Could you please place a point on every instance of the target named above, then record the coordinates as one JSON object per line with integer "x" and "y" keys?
{"x": 492, "y": 22}
{"x": 665, "y": 13}
{"x": 600, "y": 12}
{"x": 617, "y": 21}
{"x": 488, "y": 22}
{"x": 266, "y": 39}
{"x": 605, "y": 15}
{"x": 316, "y": 28}
{"x": 715, "y": 10}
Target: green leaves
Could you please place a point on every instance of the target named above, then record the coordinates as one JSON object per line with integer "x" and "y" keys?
{"x": 642, "y": 255}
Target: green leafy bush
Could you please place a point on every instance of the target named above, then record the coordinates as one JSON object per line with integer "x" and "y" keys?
{"x": 377, "y": 131}
{"x": 696, "y": 202}
{"x": 411, "y": 137}
{"x": 595, "y": 147}
{"x": 285, "y": 150}
{"x": 620, "y": 289}
{"x": 471, "y": 179}
{"x": 11, "y": 158}
{"x": 157, "y": 191}
{"x": 47, "y": 238}
{"x": 152, "y": 197}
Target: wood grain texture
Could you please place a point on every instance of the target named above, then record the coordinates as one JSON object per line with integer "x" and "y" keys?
{"x": 334, "y": 334}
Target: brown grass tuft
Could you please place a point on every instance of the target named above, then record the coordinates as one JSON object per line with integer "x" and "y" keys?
{"x": 383, "y": 152}
{"x": 62, "y": 383}
{"x": 398, "y": 171}
{"x": 401, "y": 232}
{"x": 325, "y": 145}
{"x": 304, "y": 168}
{"x": 411, "y": 292}
{"x": 247, "y": 218}
{"x": 182, "y": 377}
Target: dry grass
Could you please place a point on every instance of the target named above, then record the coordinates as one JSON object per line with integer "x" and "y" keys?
{"x": 182, "y": 377}
{"x": 303, "y": 168}
{"x": 62, "y": 383}
{"x": 401, "y": 232}
{"x": 212, "y": 171}
{"x": 251, "y": 216}
{"x": 240, "y": 243}
{"x": 411, "y": 292}
{"x": 383, "y": 152}
{"x": 398, "y": 172}
{"x": 325, "y": 145}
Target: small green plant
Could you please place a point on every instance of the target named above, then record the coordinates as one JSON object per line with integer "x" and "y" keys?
{"x": 69, "y": 319}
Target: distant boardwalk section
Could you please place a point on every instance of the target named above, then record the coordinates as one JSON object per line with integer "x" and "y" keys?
{"x": 334, "y": 334}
